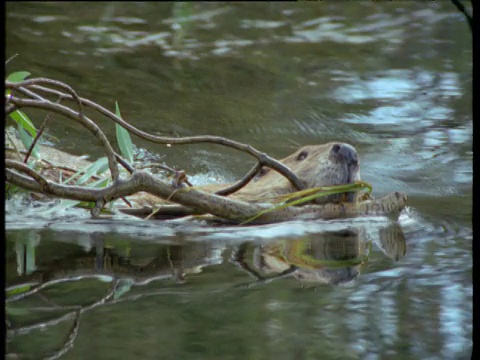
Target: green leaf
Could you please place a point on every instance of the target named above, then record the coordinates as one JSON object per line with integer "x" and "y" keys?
{"x": 19, "y": 289}
{"x": 64, "y": 204}
{"x": 18, "y": 76}
{"x": 123, "y": 288}
{"x": 123, "y": 138}
{"x": 327, "y": 190}
{"x": 22, "y": 119}
{"x": 313, "y": 193}
{"x": 73, "y": 177}
{"x": 99, "y": 183}
{"x": 97, "y": 167}
{"x": 27, "y": 141}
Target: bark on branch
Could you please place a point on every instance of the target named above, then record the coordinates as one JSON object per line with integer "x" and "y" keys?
{"x": 202, "y": 202}
{"x": 262, "y": 158}
{"x": 26, "y": 94}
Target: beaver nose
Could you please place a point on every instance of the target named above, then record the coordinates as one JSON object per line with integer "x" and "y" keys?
{"x": 344, "y": 152}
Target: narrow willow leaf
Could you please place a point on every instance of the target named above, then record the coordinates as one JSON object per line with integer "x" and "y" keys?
{"x": 123, "y": 138}
{"x": 317, "y": 192}
{"x": 122, "y": 289}
{"x": 19, "y": 289}
{"x": 73, "y": 177}
{"x": 22, "y": 119}
{"x": 333, "y": 190}
{"x": 66, "y": 204}
{"x": 63, "y": 205}
{"x": 96, "y": 168}
{"x": 99, "y": 183}
{"x": 17, "y": 76}
{"x": 337, "y": 189}
{"x": 27, "y": 141}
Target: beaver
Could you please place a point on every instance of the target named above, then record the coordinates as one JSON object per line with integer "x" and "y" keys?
{"x": 334, "y": 163}
{"x": 315, "y": 165}
{"x": 312, "y": 256}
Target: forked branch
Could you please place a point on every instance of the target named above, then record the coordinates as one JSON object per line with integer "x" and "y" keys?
{"x": 26, "y": 87}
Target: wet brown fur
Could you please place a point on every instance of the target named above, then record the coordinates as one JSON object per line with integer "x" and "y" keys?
{"x": 313, "y": 164}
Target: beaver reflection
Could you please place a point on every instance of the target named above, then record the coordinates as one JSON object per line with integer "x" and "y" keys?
{"x": 328, "y": 257}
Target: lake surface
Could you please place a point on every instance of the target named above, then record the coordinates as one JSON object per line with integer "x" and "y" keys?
{"x": 393, "y": 79}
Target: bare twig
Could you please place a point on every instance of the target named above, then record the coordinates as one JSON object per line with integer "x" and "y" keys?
{"x": 50, "y": 283}
{"x": 161, "y": 166}
{"x": 36, "y": 81}
{"x": 29, "y": 328}
{"x": 125, "y": 164}
{"x": 32, "y": 173}
{"x": 462, "y": 9}
{"x": 75, "y": 314}
{"x": 67, "y": 112}
{"x": 263, "y": 158}
{"x": 242, "y": 182}
{"x": 70, "y": 339}
{"x": 11, "y": 58}
{"x": 203, "y": 202}
{"x": 35, "y": 139}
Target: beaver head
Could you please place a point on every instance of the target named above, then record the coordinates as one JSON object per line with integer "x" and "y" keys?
{"x": 333, "y": 163}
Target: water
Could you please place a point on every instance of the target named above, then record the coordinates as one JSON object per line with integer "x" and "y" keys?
{"x": 392, "y": 79}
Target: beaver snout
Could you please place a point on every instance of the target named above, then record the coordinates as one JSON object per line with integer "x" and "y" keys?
{"x": 344, "y": 153}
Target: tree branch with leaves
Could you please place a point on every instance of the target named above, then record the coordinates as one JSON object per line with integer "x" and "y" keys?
{"x": 102, "y": 182}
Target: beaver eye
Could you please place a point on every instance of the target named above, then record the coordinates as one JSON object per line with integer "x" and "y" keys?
{"x": 303, "y": 155}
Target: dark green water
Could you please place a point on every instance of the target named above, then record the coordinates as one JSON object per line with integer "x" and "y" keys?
{"x": 393, "y": 79}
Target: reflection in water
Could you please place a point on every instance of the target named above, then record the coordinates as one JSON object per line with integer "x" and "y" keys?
{"x": 90, "y": 282}
{"x": 331, "y": 258}
{"x": 392, "y": 241}
{"x": 328, "y": 257}
{"x": 25, "y": 251}
{"x": 70, "y": 281}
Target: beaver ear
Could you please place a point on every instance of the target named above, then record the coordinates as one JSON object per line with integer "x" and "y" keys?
{"x": 303, "y": 155}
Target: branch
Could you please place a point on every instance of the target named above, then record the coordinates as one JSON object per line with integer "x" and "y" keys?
{"x": 72, "y": 335}
{"x": 41, "y": 181}
{"x": 242, "y": 182}
{"x": 462, "y": 9}
{"x": 67, "y": 112}
{"x": 263, "y": 159}
{"x": 203, "y": 202}
{"x": 60, "y": 84}
{"x": 35, "y": 139}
